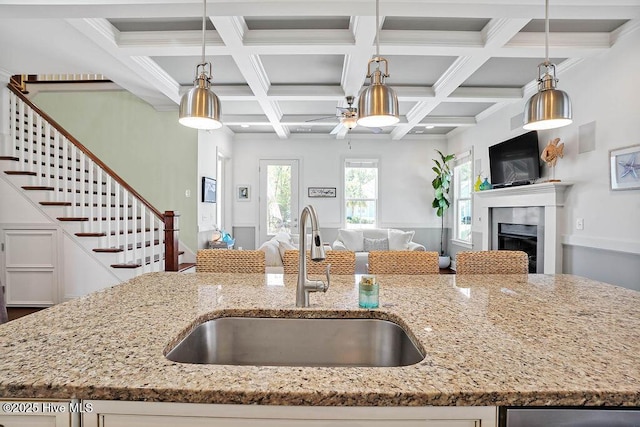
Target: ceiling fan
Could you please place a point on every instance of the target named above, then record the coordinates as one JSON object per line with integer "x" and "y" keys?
{"x": 347, "y": 116}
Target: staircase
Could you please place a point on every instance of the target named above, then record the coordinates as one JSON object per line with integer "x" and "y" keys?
{"x": 89, "y": 201}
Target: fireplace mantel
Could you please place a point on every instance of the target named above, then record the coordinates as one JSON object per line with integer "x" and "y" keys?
{"x": 548, "y": 195}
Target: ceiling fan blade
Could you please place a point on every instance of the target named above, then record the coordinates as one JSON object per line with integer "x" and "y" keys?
{"x": 321, "y": 118}
{"x": 375, "y": 130}
{"x": 343, "y": 110}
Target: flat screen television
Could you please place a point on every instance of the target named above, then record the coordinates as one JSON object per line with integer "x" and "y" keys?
{"x": 515, "y": 161}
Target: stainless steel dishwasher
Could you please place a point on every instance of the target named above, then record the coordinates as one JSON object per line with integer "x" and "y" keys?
{"x": 570, "y": 417}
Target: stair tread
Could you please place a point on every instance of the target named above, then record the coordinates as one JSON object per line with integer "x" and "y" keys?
{"x": 14, "y": 159}
{"x": 69, "y": 218}
{"x": 55, "y": 203}
{"x": 91, "y": 234}
{"x": 37, "y": 187}
{"x": 185, "y": 266}
{"x": 25, "y": 173}
{"x": 126, "y": 265}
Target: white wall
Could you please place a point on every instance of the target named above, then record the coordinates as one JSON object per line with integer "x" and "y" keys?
{"x": 603, "y": 89}
{"x": 405, "y": 191}
{"x": 210, "y": 143}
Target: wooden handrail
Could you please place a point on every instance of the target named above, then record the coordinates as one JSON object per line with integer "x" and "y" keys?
{"x": 86, "y": 151}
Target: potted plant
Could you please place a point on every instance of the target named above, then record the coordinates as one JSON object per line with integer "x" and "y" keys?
{"x": 441, "y": 185}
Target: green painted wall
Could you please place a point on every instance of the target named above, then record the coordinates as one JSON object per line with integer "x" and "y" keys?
{"x": 149, "y": 149}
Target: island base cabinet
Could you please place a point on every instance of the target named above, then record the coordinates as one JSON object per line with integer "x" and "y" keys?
{"x": 158, "y": 414}
{"x": 23, "y": 413}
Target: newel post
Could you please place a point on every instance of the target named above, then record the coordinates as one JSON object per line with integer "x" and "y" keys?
{"x": 171, "y": 240}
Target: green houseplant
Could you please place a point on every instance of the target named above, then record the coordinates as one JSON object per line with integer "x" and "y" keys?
{"x": 441, "y": 202}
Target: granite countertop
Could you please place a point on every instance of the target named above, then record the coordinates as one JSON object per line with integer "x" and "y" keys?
{"x": 489, "y": 340}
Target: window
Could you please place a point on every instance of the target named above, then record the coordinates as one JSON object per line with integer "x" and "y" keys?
{"x": 462, "y": 192}
{"x": 361, "y": 193}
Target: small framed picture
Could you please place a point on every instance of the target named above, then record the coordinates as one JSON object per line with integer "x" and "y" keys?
{"x": 243, "y": 193}
{"x": 624, "y": 166}
{"x": 322, "y": 192}
{"x": 208, "y": 190}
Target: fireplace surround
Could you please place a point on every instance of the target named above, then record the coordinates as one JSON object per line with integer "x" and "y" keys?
{"x": 540, "y": 205}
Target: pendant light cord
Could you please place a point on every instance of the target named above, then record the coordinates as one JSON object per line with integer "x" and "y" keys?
{"x": 204, "y": 14}
{"x": 546, "y": 32}
{"x": 377, "y": 28}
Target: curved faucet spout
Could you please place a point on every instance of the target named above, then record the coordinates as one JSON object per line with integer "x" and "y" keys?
{"x": 317, "y": 254}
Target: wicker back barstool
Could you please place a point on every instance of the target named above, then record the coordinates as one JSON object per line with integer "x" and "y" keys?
{"x": 342, "y": 262}
{"x": 229, "y": 261}
{"x": 403, "y": 262}
{"x": 492, "y": 262}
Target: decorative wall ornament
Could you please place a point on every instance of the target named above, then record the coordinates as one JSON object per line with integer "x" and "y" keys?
{"x": 322, "y": 192}
{"x": 624, "y": 167}
{"x": 550, "y": 155}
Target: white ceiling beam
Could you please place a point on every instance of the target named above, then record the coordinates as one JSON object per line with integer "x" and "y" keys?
{"x": 354, "y": 69}
{"x": 496, "y": 34}
{"x": 105, "y": 35}
{"x": 232, "y": 29}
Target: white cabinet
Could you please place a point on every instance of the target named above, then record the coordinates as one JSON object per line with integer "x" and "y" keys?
{"x": 152, "y": 414}
{"x": 14, "y": 413}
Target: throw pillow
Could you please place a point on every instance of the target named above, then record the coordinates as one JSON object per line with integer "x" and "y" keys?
{"x": 284, "y": 246}
{"x": 399, "y": 240}
{"x": 375, "y": 244}
{"x": 352, "y": 239}
{"x": 271, "y": 253}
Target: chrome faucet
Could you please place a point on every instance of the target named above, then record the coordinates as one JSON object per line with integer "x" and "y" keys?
{"x": 317, "y": 254}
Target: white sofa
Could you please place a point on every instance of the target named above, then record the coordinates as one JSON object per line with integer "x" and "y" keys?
{"x": 361, "y": 241}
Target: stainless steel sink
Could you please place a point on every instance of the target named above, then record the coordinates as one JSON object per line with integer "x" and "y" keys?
{"x": 297, "y": 342}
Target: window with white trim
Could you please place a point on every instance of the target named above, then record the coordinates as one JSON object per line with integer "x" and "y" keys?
{"x": 462, "y": 197}
{"x": 360, "y": 193}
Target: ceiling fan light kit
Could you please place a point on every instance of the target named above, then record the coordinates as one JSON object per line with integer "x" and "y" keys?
{"x": 200, "y": 107}
{"x": 549, "y": 108}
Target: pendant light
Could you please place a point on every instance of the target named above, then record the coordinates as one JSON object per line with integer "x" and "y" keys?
{"x": 549, "y": 108}
{"x": 378, "y": 104}
{"x": 200, "y": 107}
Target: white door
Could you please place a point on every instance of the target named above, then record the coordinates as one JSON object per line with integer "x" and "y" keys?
{"x": 278, "y": 198}
{"x": 31, "y": 267}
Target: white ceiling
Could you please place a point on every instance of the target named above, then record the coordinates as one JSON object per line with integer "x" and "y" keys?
{"x": 279, "y": 64}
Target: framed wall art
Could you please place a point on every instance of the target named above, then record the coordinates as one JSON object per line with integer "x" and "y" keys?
{"x": 322, "y": 192}
{"x": 624, "y": 166}
{"x": 208, "y": 190}
{"x": 243, "y": 193}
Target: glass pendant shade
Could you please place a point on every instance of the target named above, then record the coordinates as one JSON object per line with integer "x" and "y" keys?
{"x": 200, "y": 107}
{"x": 549, "y": 108}
{"x": 378, "y": 104}
{"x": 349, "y": 122}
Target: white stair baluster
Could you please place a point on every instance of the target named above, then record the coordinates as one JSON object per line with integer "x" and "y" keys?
{"x": 66, "y": 173}
{"x": 30, "y": 144}
{"x": 22, "y": 135}
{"x": 77, "y": 210}
{"x": 49, "y": 169}
{"x": 111, "y": 212}
{"x": 94, "y": 194}
{"x": 100, "y": 212}
{"x": 118, "y": 209}
{"x": 13, "y": 124}
{"x": 143, "y": 248}
{"x": 40, "y": 149}
{"x": 125, "y": 228}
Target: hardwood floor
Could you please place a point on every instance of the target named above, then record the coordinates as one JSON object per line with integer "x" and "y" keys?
{"x": 17, "y": 312}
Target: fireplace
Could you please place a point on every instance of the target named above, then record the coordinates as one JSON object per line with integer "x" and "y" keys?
{"x": 520, "y": 237}
{"x": 530, "y": 218}
{"x": 520, "y": 229}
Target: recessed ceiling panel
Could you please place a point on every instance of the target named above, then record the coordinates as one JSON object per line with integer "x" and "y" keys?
{"x": 437, "y": 130}
{"x": 241, "y": 107}
{"x": 183, "y": 69}
{"x": 319, "y": 108}
{"x": 160, "y": 24}
{"x": 434, "y": 24}
{"x": 252, "y": 129}
{"x": 574, "y": 25}
{"x": 459, "y": 109}
{"x": 297, "y": 22}
{"x": 506, "y": 72}
{"x": 417, "y": 70}
{"x": 303, "y": 69}
{"x": 405, "y": 106}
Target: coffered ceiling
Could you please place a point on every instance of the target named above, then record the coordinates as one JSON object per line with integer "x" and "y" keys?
{"x": 280, "y": 66}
